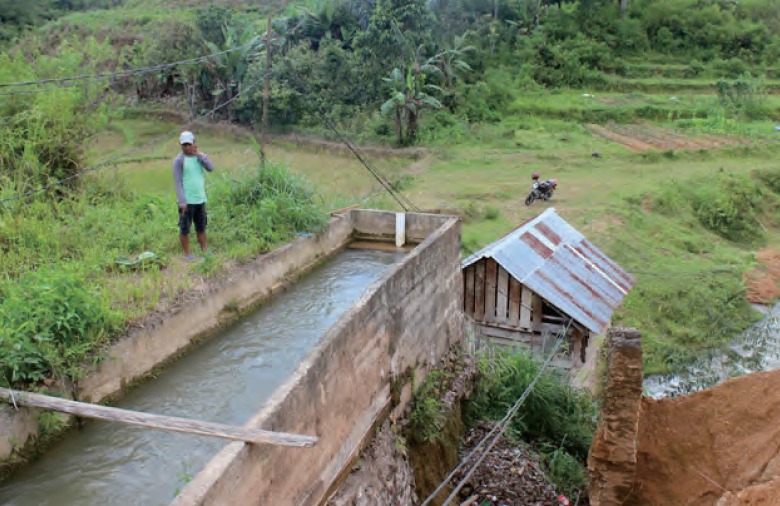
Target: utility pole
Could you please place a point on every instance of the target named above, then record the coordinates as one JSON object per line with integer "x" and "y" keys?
{"x": 266, "y": 90}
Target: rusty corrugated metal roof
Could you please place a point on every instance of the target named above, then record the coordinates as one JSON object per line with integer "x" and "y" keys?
{"x": 553, "y": 259}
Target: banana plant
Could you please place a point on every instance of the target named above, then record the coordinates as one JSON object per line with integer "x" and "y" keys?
{"x": 228, "y": 69}
{"x": 410, "y": 95}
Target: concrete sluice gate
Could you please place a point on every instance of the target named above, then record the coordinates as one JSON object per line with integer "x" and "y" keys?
{"x": 331, "y": 355}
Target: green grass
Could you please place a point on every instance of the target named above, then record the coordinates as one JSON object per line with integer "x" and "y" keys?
{"x": 339, "y": 178}
{"x": 608, "y": 199}
{"x": 62, "y": 292}
{"x": 481, "y": 172}
{"x": 559, "y": 419}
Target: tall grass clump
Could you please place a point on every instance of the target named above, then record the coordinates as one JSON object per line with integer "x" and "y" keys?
{"x": 262, "y": 208}
{"x": 557, "y": 417}
{"x": 50, "y": 321}
{"x": 43, "y": 133}
{"x": 731, "y": 205}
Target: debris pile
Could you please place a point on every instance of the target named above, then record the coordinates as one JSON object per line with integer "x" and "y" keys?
{"x": 510, "y": 475}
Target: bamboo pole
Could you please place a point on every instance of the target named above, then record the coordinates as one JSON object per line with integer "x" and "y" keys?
{"x": 171, "y": 423}
{"x": 266, "y": 90}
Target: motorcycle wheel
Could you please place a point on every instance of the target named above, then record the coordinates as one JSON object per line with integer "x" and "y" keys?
{"x": 529, "y": 200}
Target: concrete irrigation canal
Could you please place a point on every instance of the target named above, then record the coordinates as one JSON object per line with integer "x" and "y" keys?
{"x": 329, "y": 356}
{"x": 226, "y": 380}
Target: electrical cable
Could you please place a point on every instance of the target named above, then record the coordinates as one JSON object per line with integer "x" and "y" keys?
{"x": 499, "y": 428}
{"x": 121, "y": 73}
{"x": 112, "y": 159}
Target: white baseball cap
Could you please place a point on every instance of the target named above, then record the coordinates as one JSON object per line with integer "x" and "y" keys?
{"x": 186, "y": 138}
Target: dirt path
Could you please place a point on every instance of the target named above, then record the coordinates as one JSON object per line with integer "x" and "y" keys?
{"x": 643, "y": 137}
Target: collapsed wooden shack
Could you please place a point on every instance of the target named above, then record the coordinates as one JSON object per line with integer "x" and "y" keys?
{"x": 539, "y": 280}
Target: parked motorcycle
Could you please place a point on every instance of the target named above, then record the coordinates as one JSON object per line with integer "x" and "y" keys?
{"x": 541, "y": 191}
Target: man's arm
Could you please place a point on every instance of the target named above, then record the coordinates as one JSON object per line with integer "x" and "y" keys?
{"x": 204, "y": 160}
{"x": 178, "y": 175}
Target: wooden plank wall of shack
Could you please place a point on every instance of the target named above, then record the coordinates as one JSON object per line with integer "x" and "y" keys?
{"x": 491, "y": 295}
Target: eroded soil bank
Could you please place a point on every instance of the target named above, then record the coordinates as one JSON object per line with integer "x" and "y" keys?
{"x": 719, "y": 446}
{"x": 712, "y": 444}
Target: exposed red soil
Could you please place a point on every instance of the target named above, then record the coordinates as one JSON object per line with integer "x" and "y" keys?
{"x": 696, "y": 449}
{"x": 762, "y": 282}
{"x": 643, "y": 137}
{"x": 764, "y": 494}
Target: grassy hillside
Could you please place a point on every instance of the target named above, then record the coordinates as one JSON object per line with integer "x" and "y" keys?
{"x": 659, "y": 128}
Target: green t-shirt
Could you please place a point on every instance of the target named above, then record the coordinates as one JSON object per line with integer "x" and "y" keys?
{"x": 193, "y": 181}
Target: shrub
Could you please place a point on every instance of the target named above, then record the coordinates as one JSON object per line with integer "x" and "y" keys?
{"x": 265, "y": 207}
{"x": 565, "y": 471}
{"x": 730, "y": 206}
{"x": 769, "y": 177}
{"x": 427, "y": 418}
{"x": 554, "y": 412}
{"x": 50, "y": 321}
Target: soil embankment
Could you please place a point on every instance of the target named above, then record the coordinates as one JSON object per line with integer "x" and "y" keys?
{"x": 762, "y": 282}
{"x": 721, "y": 444}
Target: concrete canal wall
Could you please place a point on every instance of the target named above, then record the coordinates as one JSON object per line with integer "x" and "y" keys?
{"x": 361, "y": 371}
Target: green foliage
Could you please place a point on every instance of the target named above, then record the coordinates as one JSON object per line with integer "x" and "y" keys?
{"x": 745, "y": 95}
{"x": 16, "y": 16}
{"x": 42, "y": 134}
{"x": 770, "y": 178}
{"x": 567, "y": 473}
{"x": 575, "y": 62}
{"x": 427, "y": 417}
{"x": 212, "y": 21}
{"x": 553, "y": 411}
{"x": 50, "y": 320}
{"x": 730, "y": 205}
{"x": 263, "y": 208}
{"x": 63, "y": 298}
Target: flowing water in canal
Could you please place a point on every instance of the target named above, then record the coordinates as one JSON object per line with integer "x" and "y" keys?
{"x": 757, "y": 349}
{"x": 226, "y": 380}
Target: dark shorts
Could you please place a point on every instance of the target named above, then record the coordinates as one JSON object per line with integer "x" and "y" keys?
{"x": 195, "y": 213}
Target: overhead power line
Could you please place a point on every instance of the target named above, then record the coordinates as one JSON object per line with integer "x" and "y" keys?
{"x": 127, "y": 72}
{"x": 129, "y": 152}
{"x": 497, "y": 431}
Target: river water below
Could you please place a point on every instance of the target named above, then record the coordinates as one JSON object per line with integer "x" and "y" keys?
{"x": 757, "y": 349}
{"x": 225, "y": 380}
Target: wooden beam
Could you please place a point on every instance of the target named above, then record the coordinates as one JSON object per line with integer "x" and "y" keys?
{"x": 491, "y": 276}
{"x": 517, "y": 336}
{"x": 468, "y": 290}
{"x": 514, "y": 302}
{"x": 525, "y": 305}
{"x": 171, "y": 423}
{"x": 502, "y": 296}
{"x": 479, "y": 291}
{"x": 536, "y": 312}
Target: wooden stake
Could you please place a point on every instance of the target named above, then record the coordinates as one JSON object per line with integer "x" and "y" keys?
{"x": 171, "y": 423}
{"x": 266, "y": 88}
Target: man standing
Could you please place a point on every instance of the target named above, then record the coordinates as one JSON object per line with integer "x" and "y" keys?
{"x": 188, "y": 174}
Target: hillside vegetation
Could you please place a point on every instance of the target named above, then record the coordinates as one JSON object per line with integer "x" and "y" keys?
{"x": 494, "y": 89}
